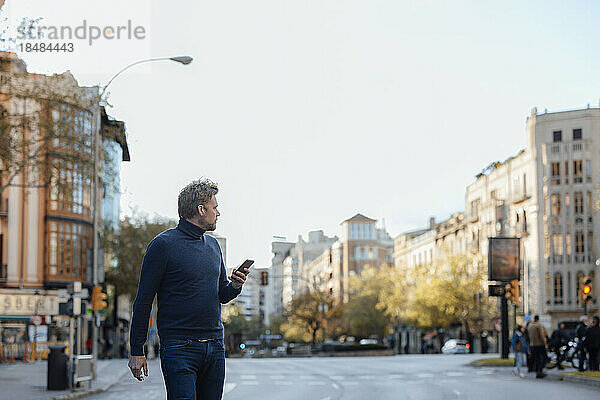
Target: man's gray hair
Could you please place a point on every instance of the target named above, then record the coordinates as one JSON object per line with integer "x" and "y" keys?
{"x": 196, "y": 193}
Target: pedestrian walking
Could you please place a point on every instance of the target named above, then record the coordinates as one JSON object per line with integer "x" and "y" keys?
{"x": 592, "y": 342}
{"x": 557, "y": 340}
{"x": 538, "y": 341}
{"x": 520, "y": 348}
{"x": 580, "y": 332}
{"x": 184, "y": 267}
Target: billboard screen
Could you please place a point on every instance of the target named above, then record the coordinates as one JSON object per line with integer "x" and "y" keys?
{"x": 503, "y": 259}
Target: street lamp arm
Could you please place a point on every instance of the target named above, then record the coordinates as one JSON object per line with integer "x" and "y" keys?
{"x": 182, "y": 60}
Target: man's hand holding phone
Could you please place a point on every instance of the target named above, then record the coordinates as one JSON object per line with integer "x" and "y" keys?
{"x": 238, "y": 277}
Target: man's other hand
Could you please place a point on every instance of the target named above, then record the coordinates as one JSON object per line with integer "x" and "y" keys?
{"x": 238, "y": 278}
{"x": 136, "y": 364}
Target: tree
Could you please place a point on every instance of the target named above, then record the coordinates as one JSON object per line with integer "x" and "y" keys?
{"x": 129, "y": 246}
{"x": 362, "y": 311}
{"x": 446, "y": 292}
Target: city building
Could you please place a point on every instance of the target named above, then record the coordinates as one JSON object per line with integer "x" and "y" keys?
{"x": 545, "y": 195}
{"x": 565, "y": 147}
{"x": 438, "y": 240}
{"x": 362, "y": 243}
{"x": 47, "y": 204}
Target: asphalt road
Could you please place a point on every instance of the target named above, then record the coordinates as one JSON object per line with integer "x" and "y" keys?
{"x": 418, "y": 377}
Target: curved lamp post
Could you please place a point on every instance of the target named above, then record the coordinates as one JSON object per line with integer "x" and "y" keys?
{"x": 185, "y": 60}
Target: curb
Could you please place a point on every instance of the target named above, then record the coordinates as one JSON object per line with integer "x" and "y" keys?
{"x": 581, "y": 379}
{"x": 486, "y": 364}
{"x": 89, "y": 392}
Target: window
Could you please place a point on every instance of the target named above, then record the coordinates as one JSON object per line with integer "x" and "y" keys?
{"x": 68, "y": 245}
{"x": 555, "y": 204}
{"x": 70, "y": 187}
{"x": 558, "y": 288}
{"x": 557, "y": 136}
{"x": 566, "y": 172}
{"x": 589, "y": 201}
{"x": 568, "y": 246}
{"x": 577, "y": 171}
{"x": 590, "y": 246}
{"x": 579, "y": 244}
{"x": 557, "y": 243}
{"x": 578, "y": 202}
{"x": 555, "y": 173}
{"x": 493, "y": 194}
{"x": 588, "y": 171}
{"x": 577, "y": 135}
{"x": 557, "y": 248}
{"x": 547, "y": 287}
{"x": 546, "y": 246}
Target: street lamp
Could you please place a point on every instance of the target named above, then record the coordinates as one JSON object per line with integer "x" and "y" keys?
{"x": 185, "y": 60}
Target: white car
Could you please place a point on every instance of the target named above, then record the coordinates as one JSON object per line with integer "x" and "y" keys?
{"x": 455, "y": 346}
{"x": 368, "y": 341}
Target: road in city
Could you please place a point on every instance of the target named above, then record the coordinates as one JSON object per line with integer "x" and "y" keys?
{"x": 418, "y": 377}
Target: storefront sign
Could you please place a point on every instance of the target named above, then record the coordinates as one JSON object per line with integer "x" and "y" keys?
{"x": 28, "y": 304}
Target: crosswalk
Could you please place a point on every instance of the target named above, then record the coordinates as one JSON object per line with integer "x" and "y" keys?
{"x": 287, "y": 379}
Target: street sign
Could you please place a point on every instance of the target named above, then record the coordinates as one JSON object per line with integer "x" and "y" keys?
{"x": 498, "y": 325}
{"x": 496, "y": 290}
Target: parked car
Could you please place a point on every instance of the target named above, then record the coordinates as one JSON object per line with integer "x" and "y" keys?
{"x": 368, "y": 341}
{"x": 455, "y": 346}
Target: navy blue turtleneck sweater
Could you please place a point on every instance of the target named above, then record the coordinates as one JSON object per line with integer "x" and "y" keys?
{"x": 185, "y": 268}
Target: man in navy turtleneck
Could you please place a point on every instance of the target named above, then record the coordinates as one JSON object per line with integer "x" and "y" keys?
{"x": 184, "y": 267}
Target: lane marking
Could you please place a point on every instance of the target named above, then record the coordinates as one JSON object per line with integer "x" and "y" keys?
{"x": 425, "y": 375}
{"x": 456, "y": 392}
{"x": 283, "y": 383}
{"x": 229, "y": 387}
{"x": 247, "y": 376}
{"x": 337, "y": 377}
{"x": 250, "y": 383}
{"x": 454, "y": 373}
{"x": 335, "y": 386}
{"x": 485, "y": 372}
{"x": 326, "y": 398}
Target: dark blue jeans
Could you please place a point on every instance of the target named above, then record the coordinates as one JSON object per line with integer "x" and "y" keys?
{"x": 193, "y": 370}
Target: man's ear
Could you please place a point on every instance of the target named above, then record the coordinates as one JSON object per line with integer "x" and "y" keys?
{"x": 201, "y": 210}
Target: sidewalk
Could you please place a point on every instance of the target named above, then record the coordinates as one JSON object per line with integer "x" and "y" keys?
{"x": 565, "y": 374}
{"x": 28, "y": 381}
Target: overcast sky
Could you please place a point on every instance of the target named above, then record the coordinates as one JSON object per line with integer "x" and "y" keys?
{"x": 306, "y": 113}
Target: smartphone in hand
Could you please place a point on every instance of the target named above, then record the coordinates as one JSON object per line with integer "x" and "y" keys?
{"x": 245, "y": 264}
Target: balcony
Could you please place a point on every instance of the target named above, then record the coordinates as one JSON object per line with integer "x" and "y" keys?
{"x": 519, "y": 197}
{"x": 473, "y": 216}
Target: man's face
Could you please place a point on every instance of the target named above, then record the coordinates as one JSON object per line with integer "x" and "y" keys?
{"x": 209, "y": 214}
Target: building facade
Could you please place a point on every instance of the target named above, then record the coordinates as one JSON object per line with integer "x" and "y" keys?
{"x": 47, "y": 206}
{"x": 566, "y": 149}
{"x": 547, "y": 196}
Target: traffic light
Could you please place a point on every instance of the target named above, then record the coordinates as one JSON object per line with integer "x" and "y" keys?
{"x": 586, "y": 289}
{"x": 264, "y": 278}
{"x": 98, "y": 299}
{"x": 513, "y": 292}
